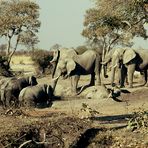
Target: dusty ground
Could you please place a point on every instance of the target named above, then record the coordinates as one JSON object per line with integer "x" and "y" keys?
{"x": 75, "y": 121}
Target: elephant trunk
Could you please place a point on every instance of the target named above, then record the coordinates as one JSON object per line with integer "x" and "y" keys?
{"x": 54, "y": 81}
{"x": 54, "y": 62}
{"x": 54, "y": 68}
{"x": 104, "y": 66}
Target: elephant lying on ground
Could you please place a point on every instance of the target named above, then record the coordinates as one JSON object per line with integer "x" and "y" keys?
{"x": 36, "y": 95}
{"x": 130, "y": 60}
{"x": 11, "y": 88}
{"x": 102, "y": 92}
{"x": 74, "y": 65}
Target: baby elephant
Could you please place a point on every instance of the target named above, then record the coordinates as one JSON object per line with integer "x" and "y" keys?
{"x": 11, "y": 88}
{"x": 33, "y": 96}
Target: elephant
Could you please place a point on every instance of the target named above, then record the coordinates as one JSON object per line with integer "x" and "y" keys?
{"x": 61, "y": 54}
{"x": 12, "y": 87}
{"x": 129, "y": 60}
{"x": 3, "y": 81}
{"x": 32, "y": 96}
{"x": 70, "y": 64}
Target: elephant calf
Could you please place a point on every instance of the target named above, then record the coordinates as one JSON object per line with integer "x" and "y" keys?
{"x": 33, "y": 96}
{"x": 11, "y": 88}
{"x": 3, "y": 81}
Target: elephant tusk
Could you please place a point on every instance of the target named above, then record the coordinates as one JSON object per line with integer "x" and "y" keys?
{"x": 56, "y": 78}
{"x": 103, "y": 63}
{"x": 114, "y": 66}
{"x": 52, "y": 61}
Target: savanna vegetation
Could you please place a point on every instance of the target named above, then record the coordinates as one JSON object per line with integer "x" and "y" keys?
{"x": 82, "y": 120}
{"x": 115, "y": 23}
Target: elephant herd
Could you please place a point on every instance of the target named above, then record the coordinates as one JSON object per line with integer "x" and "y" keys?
{"x": 68, "y": 63}
{"x": 128, "y": 61}
{"x": 24, "y": 92}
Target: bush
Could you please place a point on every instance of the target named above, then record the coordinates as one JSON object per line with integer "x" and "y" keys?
{"x": 42, "y": 60}
{"x": 138, "y": 120}
{"x": 4, "y": 67}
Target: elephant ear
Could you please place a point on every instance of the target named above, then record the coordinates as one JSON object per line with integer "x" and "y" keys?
{"x": 128, "y": 55}
{"x": 70, "y": 66}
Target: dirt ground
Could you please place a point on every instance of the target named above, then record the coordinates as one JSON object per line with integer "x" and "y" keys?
{"x": 76, "y": 121}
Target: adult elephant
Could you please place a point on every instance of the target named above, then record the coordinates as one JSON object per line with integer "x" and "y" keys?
{"x": 74, "y": 65}
{"x": 11, "y": 88}
{"x": 36, "y": 95}
{"x": 129, "y": 61}
{"x": 61, "y": 54}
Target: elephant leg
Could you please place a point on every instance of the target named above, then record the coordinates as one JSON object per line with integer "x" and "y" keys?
{"x": 145, "y": 78}
{"x": 123, "y": 75}
{"x": 3, "y": 99}
{"x": 16, "y": 102}
{"x": 7, "y": 102}
{"x": 131, "y": 70}
{"x": 105, "y": 71}
{"x": 119, "y": 75}
{"x": 75, "y": 84}
{"x": 113, "y": 76}
{"x": 98, "y": 82}
{"x": 72, "y": 83}
{"x": 97, "y": 72}
{"x": 92, "y": 80}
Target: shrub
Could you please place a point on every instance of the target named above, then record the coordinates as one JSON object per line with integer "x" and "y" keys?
{"x": 138, "y": 120}
{"x": 4, "y": 67}
{"x": 42, "y": 60}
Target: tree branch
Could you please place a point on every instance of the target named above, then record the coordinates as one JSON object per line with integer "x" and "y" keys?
{"x": 12, "y": 53}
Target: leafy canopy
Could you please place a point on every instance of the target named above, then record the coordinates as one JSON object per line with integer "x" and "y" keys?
{"x": 115, "y": 22}
{"x": 19, "y": 21}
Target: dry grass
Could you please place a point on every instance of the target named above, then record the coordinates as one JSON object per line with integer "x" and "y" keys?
{"x": 21, "y": 59}
{"x": 22, "y": 63}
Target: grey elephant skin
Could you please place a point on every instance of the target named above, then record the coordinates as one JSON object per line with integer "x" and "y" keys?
{"x": 11, "y": 88}
{"x": 32, "y": 96}
{"x": 70, "y": 64}
{"x": 130, "y": 60}
{"x": 3, "y": 81}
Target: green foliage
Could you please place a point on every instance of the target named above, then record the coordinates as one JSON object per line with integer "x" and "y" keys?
{"x": 42, "y": 59}
{"x": 19, "y": 23}
{"x": 139, "y": 120}
{"x": 115, "y": 22}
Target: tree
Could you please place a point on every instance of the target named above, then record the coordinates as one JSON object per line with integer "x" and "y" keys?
{"x": 19, "y": 24}
{"x": 81, "y": 49}
{"x": 3, "y": 48}
{"x": 115, "y": 22}
{"x": 55, "y": 47}
{"x": 29, "y": 39}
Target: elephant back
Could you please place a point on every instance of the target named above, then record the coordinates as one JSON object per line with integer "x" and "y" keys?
{"x": 86, "y": 59}
{"x": 128, "y": 55}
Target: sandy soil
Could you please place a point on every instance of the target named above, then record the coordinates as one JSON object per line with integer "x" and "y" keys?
{"x": 75, "y": 121}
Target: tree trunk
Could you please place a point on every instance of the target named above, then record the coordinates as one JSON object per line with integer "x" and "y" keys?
{"x": 12, "y": 53}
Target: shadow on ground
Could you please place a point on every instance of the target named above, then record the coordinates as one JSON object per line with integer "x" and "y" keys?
{"x": 113, "y": 119}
